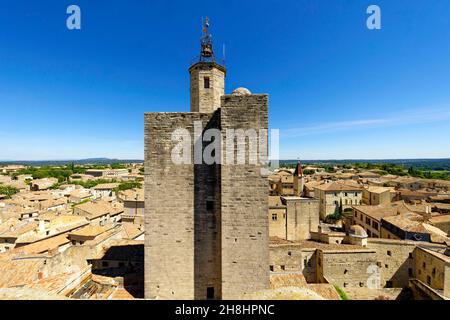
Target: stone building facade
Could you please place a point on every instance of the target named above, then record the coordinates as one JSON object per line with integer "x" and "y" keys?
{"x": 333, "y": 195}
{"x": 302, "y": 217}
{"x": 433, "y": 270}
{"x": 206, "y": 224}
{"x": 293, "y": 218}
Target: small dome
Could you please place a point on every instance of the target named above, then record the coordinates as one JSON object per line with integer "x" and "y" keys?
{"x": 358, "y": 231}
{"x": 241, "y": 92}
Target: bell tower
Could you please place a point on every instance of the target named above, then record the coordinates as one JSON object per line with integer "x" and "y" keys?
{"x": 207, "y": 79}
{"x": 299, "y": 180}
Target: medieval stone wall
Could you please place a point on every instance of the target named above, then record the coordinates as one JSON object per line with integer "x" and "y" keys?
{"x": 169, "y": 210}
{"x": 395, "y": 259}
{"x": 245, "y": 241}
{"x": 302, "y": 216}
{"x": 345, "y": 268}
{"x": 293, "y": 259}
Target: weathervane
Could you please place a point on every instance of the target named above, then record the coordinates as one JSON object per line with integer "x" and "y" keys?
{"x": 207, "y": 52}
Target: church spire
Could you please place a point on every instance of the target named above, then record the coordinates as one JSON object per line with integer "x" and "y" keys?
{"x": 299, "y": 170}
{"x": 299, "y": 181}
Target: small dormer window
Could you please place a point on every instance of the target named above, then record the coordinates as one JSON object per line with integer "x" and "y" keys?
{"x": 206, "y": 82}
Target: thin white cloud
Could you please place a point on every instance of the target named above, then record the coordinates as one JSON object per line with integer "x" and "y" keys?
{"x": 412, "y": 117}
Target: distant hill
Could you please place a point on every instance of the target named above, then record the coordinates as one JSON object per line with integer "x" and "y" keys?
{"x": 96, "y": 161}
{"x": 423, "y": 164}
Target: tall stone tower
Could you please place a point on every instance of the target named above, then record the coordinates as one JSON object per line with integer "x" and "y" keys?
{"x": 206, "y": 224}
{"x": 299, "y": 180}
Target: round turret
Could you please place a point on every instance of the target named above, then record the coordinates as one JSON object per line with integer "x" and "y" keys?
{"x": 357, "y": 236}
{"x": 241, "y": 92}
{"x": 357, "y": 231}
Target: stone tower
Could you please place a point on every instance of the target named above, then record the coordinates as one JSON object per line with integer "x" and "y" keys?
{"x": 206, "y": 224}
{"x": 299, "y": 180}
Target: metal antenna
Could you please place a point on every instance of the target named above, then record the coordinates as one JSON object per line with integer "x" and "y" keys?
{"x": 223, "y": 54}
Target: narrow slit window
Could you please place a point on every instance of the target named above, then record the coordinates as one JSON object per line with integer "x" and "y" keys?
{"x": 210, "y": 205}
{"x": 206, "y": 82}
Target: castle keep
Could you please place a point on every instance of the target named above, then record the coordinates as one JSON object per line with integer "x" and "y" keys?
{"x": 206, "y": 224}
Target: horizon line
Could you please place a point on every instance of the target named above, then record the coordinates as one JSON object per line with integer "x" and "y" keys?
{"x": 286, "y": 159}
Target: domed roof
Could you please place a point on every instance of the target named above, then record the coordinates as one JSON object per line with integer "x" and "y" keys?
{"x": 241, "y": 92}
{"x": 358, "y": 231}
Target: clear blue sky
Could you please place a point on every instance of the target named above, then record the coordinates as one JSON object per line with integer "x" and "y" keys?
{"x": 337, "y": 90}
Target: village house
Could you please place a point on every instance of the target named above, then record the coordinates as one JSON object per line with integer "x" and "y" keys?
{"x": 12, "y": 230}
{"x": 65, "y": 190}
{"x": 376, "y": 195}
{"x": 273, "y": 184}
{"x": 104, "y": 190}
{"x": 50, "y": 226}
{"x": 5, "y": 180}
{"x": 440, "y": 198}
{"x": 335, "y": 194}
{"x": 442, "y": 222}
{"x": 411, "y": 226}
{"x": 310, "y": 188}
{"x": 432, "y": 273}
{"x": 277, "y": 217}
{"x": 11, "y": 168}
{"x": 33, "y": 198}
{"x": 346, "y": 176}
{"x": 29, "y": 214}
{"x": 81, "y": 177}
{"x": 410, "y": 183}
{"x": 88, "y": 233}
{"x": 43, "y": 184}
{"x": 442, "y": 208}
{"x": 134, "y": 205}
{"x": 285, "y": 184}
{"x": 368, "y": 176}
{"x": 53, "y": 205}
{"x": 369, "y": 217}
{"x": 413, "y": 195}
{"x": 133, "y": 231}
{"x": 107, "y": 173}
{"x": 22, "y": 186}
{"x": 49, "y": 245}
{"x": 80, "y": 195}
{"x": 99, "y": 213}
{"x": 122, "y": 254}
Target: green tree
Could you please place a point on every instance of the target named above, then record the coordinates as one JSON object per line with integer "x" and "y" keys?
{"x": 117, "y": 166}
{"x": 128, "y": 185}
{"x": 8, "y": 191}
